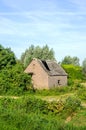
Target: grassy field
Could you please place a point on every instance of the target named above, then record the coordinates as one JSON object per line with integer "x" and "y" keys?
{"x": 56, "y": 109}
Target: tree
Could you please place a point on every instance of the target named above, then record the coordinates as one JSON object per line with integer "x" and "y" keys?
{"x": 71, "y": 60}
{"x": 12, "y": 76}
{"x": 84, "y": 66}
{"x": 14, "y": 80}
{"x": 43, "y": 53}
{"x": 7, "y": 57}
{"x": 75, "y": 61}
{"x": 74, "y": 73}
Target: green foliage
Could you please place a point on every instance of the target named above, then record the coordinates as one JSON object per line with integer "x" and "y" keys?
{"x": 43, "y": 53}
{"x": 12, "y": 77}
{"x": 81, "y": 93}
{"x": 7, "y": 58}
{"x": 27, "y": 113}
{"x": 71, "y": 60}
{"x": 68, "y": 106}
{"x": 56, "y": 106}
{"x": 70, "y": 82}
{"x": 14, "y": 80}
{"x": 71, "y": 104}
{"x": 84, "y": 66}
{"x": 74, "y": 73}
{"x": 33, "y": 105}
{"x": 54, "y": 91}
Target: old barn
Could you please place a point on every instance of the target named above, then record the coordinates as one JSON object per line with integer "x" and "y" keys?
{"x": 46, "y": 74}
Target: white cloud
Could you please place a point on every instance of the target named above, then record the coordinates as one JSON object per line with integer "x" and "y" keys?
{"x": 65, "y": 31}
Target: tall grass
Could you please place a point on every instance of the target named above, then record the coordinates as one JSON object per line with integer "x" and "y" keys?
{"x": 30, "y": 113}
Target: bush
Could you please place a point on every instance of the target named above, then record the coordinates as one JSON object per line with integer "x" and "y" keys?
{"x": 82, "y": 93}
{"x": 32, "y": 104}
{"x": 14, "y": 79}
{"x": 30, "y": 113}
{"x": 53, "y": 91}
{"x": 74, "y": 72}
{"x": 7, "y": 58}
{"x": 12, "y": 76}
{"x": 56, "y": 106}
{"x": 70, "y": 82}
{"x": 72, "y": 104}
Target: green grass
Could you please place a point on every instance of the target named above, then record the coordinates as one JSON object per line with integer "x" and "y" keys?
{"x": 32, "y": 113}
{"x": 56, "y": 109}
{"x": 80, "y": 118}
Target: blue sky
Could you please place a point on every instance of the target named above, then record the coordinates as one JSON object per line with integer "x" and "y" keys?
{"x": 61, "y": 24}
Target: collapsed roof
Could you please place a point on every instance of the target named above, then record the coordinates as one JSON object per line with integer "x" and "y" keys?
{"x": 52, "y": 68}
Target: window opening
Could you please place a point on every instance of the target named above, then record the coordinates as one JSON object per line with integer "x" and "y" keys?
{"x": 58, "y": 82}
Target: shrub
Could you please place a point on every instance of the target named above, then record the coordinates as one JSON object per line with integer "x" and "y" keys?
{"x": 74, "y": 72}
{"x": 70, "y": 81}
{"x": 32, "y": 104}
{"x": 55, "y": 106}
{"x": 72, "y": 104}
{"x": 81, "y": 93}
{"x": 14, "y": 79}
{"x": 27, "y": 113}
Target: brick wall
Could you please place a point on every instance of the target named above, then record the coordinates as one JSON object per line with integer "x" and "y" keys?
{"x": 39, "y": 77}
{"x": 54, "y": 81}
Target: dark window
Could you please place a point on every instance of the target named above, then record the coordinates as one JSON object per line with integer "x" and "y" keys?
{"x": 58, "y": 82}
{"x": 45, "y": 64}
{"x": 31, "y": 74}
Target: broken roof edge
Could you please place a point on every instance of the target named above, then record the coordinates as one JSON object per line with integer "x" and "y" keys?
{"x": 48, "y": 71}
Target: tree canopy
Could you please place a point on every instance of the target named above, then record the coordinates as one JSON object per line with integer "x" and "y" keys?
{"x": 7, "y": 57}
{"x": 71, "y": 60}
{"x": 84, "y": 66}
{"x": 12, "y": 76}
{"x": 43, "y": 53}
